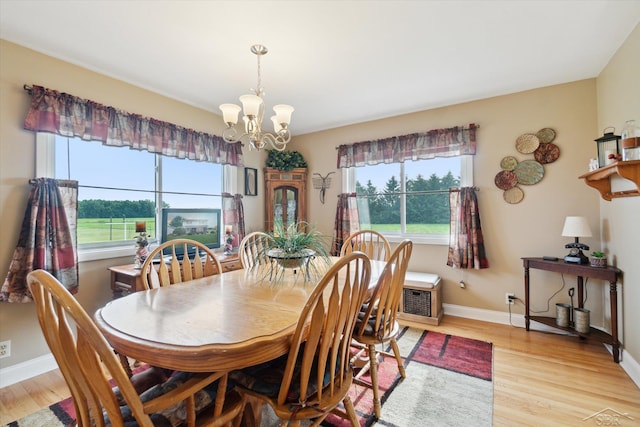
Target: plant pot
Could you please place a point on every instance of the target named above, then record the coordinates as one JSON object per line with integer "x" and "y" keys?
{"x": 598, "y": 262}
{"x": 287, "y": 260}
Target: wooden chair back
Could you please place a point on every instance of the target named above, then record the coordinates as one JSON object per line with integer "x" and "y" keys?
{"x": 170, "y": 263}
{"x": 253, "y": 250}
{"x": 87, "y": 362}
{"x": 371, "y": 242}
{"x": 321, "y": 342}
{"x": 382, "y": 309}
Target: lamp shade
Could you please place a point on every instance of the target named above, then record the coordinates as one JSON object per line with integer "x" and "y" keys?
{"x": 283, "y": 113}
{"x": 251, "y": 105}
{"x": 576, "y": 226}
{"x": 230, "y": 113}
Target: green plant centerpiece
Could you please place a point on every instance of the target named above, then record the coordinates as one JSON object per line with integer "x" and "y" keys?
{"x": 285, "y": 160}
{"x": 298, "y": 247}
{"x": 598, "y": 259}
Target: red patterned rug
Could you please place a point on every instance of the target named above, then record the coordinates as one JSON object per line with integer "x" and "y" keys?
{"x": 426, "y": 356}
{"x": 449, "y": 382}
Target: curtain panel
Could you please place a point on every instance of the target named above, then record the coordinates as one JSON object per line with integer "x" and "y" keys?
{"x": 451, "y": 142}
{"x": 68, "y": 115}
{"x": 466, "y": 243}
{"x": 347, "y": 221}
{"x": 47, "y": 239}
{"x": 233, "y": 215}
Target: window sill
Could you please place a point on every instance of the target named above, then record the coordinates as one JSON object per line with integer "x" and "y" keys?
{"x": 96, "y": 254}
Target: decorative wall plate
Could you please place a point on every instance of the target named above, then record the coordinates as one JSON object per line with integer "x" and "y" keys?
{"x": 529, "y": 172}
{"x": 527, "y": 143}
{"x": 547, "y": 153}
{"x": 505, "y": 180}
{"x": 546, "y": 135}
{"x": 513, "y": 195}
{"x": 508, "y": 163}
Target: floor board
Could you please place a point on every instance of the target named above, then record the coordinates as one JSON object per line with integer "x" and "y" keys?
{"x": 540, "y": 378}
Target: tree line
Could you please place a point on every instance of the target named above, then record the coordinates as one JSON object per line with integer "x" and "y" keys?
{"x": 384, "y": 205}
{"x": 98, "y": 208}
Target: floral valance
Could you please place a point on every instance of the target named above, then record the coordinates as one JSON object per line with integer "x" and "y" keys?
{"x": 450, "y": 142}
{"x": 68, "y": 115}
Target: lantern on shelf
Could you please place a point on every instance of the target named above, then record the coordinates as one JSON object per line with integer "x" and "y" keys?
{"x": 607, "y": 144}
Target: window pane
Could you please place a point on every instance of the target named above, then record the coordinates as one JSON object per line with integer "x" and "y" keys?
{"x": 383, "y": 202}
{"x": 379, "y": 202}
{"x": 189, "y": 176}
{"x": 106, "y": 215}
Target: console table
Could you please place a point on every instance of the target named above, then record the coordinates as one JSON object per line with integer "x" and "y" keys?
{"x": 126, "y": 279}
{"x": 610, "y": 274}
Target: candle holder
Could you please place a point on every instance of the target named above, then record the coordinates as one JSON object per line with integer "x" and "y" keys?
{"x": 141, "y": 245}
{"x": 228, "y": 239}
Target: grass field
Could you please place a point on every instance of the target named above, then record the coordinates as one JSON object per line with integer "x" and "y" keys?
{"x": 94, "y": 230}
{"x": 413, "y": 228}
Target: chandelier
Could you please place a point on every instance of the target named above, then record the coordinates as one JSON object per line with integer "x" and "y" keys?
{"x": 253, "y": 113}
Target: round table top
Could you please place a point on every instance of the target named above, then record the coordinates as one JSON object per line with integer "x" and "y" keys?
{"x": 226, "y": 321}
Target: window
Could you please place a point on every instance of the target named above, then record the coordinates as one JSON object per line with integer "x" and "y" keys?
{"x": 119, "y": 186}
{"x": 409, "y": 199}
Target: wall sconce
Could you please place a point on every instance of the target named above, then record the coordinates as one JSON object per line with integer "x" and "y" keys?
{"x": 607, "y": 144}
{"x": 322, "y": 183}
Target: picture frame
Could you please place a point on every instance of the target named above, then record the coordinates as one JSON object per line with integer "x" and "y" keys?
{"x": 250, "y": 182}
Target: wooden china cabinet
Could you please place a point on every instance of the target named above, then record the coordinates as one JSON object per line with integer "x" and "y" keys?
{"x": 285, "y": 196}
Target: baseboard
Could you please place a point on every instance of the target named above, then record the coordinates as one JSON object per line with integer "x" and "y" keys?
{"x": 40, "y": 365}
{"x": 25, "y": 370}
{"x": 627, "y": 362}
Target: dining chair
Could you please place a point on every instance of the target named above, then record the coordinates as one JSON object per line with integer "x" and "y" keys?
{"x": 253, "y": 250}
{"x": 176, "y": 261}
{"x": 314, "y": 377}
{"x": 88, "y": 363}
{"x": 371, "y": 242}
{"x": 377, "y": 322}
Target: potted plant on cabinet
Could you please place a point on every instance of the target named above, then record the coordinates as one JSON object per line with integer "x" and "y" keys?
{"x": 597, "y": 259}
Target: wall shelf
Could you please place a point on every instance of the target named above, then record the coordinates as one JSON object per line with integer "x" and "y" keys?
{"x": 600, "y": 179}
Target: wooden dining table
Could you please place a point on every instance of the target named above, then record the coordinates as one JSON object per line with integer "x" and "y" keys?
{"x": 223, "y": 322}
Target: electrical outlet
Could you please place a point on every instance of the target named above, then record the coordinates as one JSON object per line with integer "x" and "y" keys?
{"x": 509, "y": 298}
{"x": 5, "y": 349}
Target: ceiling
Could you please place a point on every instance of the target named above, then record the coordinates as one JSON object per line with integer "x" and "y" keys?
{"x": 336, "y": 62}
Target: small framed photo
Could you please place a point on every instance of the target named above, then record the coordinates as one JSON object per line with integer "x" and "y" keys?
{"x": 250, "y": 182}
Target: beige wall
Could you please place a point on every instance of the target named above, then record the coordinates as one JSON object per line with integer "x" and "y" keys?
{"x": 20, "y": 66}
{"x": 618, "y": 91}
{"x": 530, "y": 228}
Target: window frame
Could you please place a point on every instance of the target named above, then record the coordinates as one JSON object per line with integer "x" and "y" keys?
{"x": 466, "y": 180}
{"x": 45, "y": 167}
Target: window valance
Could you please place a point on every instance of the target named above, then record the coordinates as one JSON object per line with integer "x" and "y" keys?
{"x": 455, "y": 141}
{"x": 68, "y": 115}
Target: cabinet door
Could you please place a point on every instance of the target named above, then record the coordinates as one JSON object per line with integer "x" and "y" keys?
{"x": 284, "y": 197}
{"x": 285, "y": 205}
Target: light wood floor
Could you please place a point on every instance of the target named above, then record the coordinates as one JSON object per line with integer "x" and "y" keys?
{"x": 540, "y": 379}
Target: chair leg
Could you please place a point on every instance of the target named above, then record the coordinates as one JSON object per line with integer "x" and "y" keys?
{"x": 396, "y": 353}
{"x": 125, "y": 364}
{"x": 373, "y": 368}
{"x": 351, "y": 411}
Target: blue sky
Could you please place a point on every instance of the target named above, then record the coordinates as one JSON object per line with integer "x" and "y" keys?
{"x": 120, "y": 167}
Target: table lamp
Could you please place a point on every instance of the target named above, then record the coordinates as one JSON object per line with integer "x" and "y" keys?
{"x": 576, "y": 227}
